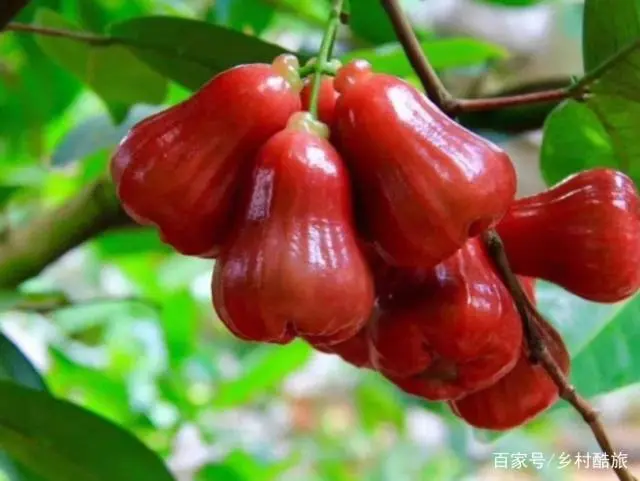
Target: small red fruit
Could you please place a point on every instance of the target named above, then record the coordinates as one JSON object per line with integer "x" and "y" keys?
{"x": 354, "y": 350}
{"x": 460, "y": 333}
{"x": 427, "y": 184}
{"x": 582, "y": 234}
{"x": 521, "y": 395}
{"x": 178, "y": 169}
{"x": 326, "y": 100}
{"x": 294, "y": 266}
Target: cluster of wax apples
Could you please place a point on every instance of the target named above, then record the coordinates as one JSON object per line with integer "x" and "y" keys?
{"x": 359, "y": 232}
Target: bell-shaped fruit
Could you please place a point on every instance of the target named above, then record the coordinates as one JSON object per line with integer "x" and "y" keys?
{"x": 521, "y": 395}
{"x": 354, "y": 350}
{"x": 178, "y": 169}
{"x": 582, "y": 234}
{"x": 427, "y": 184}
{"x": 461, "y": 331}
{"x": 326, "y": 100}
{"x": 293, "y": 266}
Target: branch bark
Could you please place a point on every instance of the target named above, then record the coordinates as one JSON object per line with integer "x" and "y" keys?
{"x": 28, "y": 250}
{"x": 540, "y": 353}
{"x": 9, "y": 9}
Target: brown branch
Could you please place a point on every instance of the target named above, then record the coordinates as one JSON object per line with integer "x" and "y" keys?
{"x": 452, "y": 106}
{"x": 540, "y": 353}
{"x": 9, "y": 9}
{"x": 495, "y": 103}
{"x": 46, "y": 303}
{"x": 434, "y": 87}
{"x": 28, "y": 250}
{"x": 519, "y": 118}
{"x": 528, "y": 312}
{"x": 411, "y": 45}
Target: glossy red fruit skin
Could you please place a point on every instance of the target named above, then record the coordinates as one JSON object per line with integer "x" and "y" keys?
{"x": 354, "y": 350}
{"x": 326, "y": 100}
{"x": 582, "y": 234}
{"x": 521, "y": 395}
{"x": 294, "y": 267}
{"x": 178, "y": 169}
{"x": 427, "y": 183}
{"x": 460, "y": 333}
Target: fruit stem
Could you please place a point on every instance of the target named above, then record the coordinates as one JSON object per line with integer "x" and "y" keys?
{"x": 307, "y": 70}
{"x": 324, "y": 55}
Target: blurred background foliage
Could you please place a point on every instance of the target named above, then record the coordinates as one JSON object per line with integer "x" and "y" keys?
{"x": 124, "y": 328}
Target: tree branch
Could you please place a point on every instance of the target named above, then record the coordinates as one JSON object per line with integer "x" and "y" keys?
{"x": 9, "y": 9}
{"x": 527, "y": 311}
{"x": 454, "y": 106}
{"x": 539, "y": 352}
{"x": 520, "y": 118}
{"x": 432, "y": 84}
{"x": 27, "y": 251}
{"x": 494, "y": 103}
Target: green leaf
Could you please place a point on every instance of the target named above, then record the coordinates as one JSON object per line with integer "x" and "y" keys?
{"x": 616, "y": 102}
{"x": 93, "y": 15}
{"x": 609, "y": 26}
{"x": 96, "y": 133}
{"x": 94, "y": 389}
{"x": 113, "y": 72}
{"x": 15, "y": 471}
{"x": 188, "y": 51}
{"x": 7, "y": 192}
{"x": 78, "y": 318}
{"x": 612, "y": 358}
{"x": 15, "y": 367}
{"x": 179, "y": 317}
{"x": 50, "y": 436}
{"x": 369, "y": 21}
{"x": 603, "y": 130}
{"x": 574, "y": 140}
{"x": 219, "y": 472}
{"x": 249, "y": 16}
{"x": 9, "y": 299}
{"x": 379, "y": 402}
{"x": 578, "y": 320}
{"x": 443, "y": 54}
{"x": 239, "y": 466}
{"x": 130, "y": 241}
{"x": 312, "y": 11}
{"x": 27, "y": 102}
{"x": 265, "y": 369}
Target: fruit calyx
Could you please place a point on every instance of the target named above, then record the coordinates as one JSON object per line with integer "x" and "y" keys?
{"x": 288, "y": 66}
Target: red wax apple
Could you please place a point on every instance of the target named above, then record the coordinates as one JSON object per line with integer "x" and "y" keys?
{"x": 178, "y": 169}
{"x": 521, "y": 395}
{"x": 293, "y": 266}
{"x": 425, "y": 183}
{"x": 354, "y": 350}
{"x": 460, "y": 332}
{"x": 582, "y": 234}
